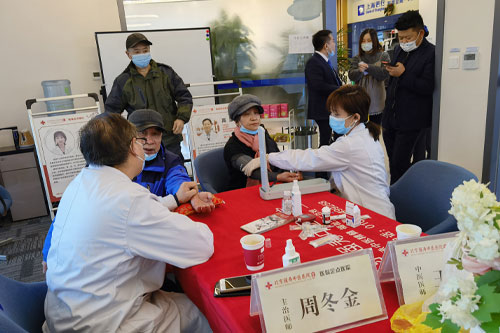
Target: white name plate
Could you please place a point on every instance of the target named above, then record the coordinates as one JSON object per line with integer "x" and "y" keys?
{"x": 416, "y": 264}
{"x": 338, "y": 292}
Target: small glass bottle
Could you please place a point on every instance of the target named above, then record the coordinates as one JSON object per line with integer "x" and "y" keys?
{"x": 286, "y": 204}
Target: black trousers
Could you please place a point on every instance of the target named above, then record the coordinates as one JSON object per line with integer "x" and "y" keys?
{"x": 400, "y": 146}
{"x": 325, "y": 131}
{"x": 422, "y": 148}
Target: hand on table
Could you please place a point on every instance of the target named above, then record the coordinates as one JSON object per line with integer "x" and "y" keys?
{"x": 287, "y": 177}
{"x": 187, "y": 191}
{"x": 202, "y": 202}
{"x": 178, "y": 126}
{"x": 397, "y": 70}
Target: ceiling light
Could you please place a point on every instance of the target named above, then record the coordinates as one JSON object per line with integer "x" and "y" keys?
{"x": 305, "y": 10}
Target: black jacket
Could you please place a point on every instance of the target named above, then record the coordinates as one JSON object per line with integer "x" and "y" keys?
{"x": 234, "y": 148}
{"x": 408, "y": 105}
{"x": 321, "y": 81}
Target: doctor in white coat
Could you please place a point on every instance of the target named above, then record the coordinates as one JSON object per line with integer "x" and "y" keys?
{"x": 355, "y": 160}
{"x": 111, "y": 241}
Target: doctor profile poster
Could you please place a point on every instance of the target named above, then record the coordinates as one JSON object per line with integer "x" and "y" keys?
{"x": 210, "y": 128}
{"x": 59, "y": 153}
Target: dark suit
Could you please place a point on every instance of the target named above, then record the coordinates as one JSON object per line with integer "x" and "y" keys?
{"x": 321, "y": 81}
{"x": 408, "y": 106}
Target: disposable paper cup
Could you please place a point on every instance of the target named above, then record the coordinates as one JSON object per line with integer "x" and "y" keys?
{"x": 253, "y": 251}
{"x": 406, "y": 231}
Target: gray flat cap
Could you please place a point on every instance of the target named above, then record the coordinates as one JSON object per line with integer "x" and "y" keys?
{"x": 146, "y": 118}
{"x": 242, "y": 103}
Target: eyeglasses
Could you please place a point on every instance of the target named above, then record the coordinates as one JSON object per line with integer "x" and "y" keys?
{"x": 141, "y": 141}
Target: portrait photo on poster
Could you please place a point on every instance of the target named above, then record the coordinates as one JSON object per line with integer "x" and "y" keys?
{"x": 59, "y": 142}
{"x": 208, "y": 130}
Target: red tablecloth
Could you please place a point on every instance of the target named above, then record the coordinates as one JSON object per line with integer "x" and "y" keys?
{"x": 231, "y": 314}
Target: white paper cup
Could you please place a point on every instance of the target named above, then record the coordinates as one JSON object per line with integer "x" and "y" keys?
{"x": 253, "y": 251}
{"x": 406, "y": 231}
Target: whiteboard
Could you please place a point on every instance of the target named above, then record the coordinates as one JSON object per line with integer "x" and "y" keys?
{"x": 187, "y": 51}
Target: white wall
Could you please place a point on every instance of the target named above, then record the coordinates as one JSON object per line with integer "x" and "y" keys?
{"x": 49, "y": 40}
{"x": 428, "y": 10}
{"x": 464, "y": 94}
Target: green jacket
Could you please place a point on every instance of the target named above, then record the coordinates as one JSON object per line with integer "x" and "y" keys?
{"x": 159, "y": 90}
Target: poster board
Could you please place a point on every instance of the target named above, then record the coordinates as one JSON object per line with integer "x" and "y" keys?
{"x": 210, "y": 128}
{"x": 187, "y": 51}
{"x": 56, "y": 136}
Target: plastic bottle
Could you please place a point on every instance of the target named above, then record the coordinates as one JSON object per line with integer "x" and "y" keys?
{"x": 290, "y": 257}
{"x": 296, "y": 199}
{"x": 286, "y": 205}
{"x": 325, "y": 213}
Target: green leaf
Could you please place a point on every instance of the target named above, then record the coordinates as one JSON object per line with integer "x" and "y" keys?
{"x": 488, "y": 304}
{"x": 491, "y": 277}
{"x": 481, "y": 195}
{"x": 492, "y": 326}
{"x": 449, "y": 327}
{"x": 433, "y": 319}
{"x": 455, "y": 262}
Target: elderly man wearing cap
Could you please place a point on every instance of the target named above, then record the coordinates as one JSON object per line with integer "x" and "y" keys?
{"x": 163, "y": 171}
{"x": 146, "y": 84}
{"x": 243, "y": 146}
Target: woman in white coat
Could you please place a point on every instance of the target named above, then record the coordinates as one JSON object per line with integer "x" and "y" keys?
{"x": 355, "y": 160}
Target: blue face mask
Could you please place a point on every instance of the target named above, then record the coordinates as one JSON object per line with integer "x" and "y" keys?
{"x": 151, "y": 157}
{"x": 244, "y": 130}
{"x": 141, "y": 60}
{"x": 338, "y": 125}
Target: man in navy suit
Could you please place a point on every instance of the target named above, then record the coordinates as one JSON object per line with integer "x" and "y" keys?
{"x": 321, "y": 81}
{"x": 408, "y": 106}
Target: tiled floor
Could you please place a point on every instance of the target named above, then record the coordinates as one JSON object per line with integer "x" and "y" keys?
{"x": 24, "y": 254}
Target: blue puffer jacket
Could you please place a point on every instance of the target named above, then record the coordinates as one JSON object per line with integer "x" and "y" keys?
{"x": 161, "y": 176}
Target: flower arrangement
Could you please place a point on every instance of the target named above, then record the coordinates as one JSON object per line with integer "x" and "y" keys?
{"x": 470, "y": 298}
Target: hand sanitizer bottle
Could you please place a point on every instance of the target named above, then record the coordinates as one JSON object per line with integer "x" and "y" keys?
{"x": 286, "y": 207}
{"x": 290, "y": 257}
{"x": 296, "y": 199}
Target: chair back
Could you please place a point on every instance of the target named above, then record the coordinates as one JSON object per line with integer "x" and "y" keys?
{"x": 5, "y": 201}
{"x": 21, "y": 305}
{"x": 212, "y": 171}
{"x": 422, "y": 195}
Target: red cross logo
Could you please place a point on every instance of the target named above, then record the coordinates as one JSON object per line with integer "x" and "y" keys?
{"x": 42, "y": 122}
{"x": 269, "y": 285}
{"x": 405, "y": 253}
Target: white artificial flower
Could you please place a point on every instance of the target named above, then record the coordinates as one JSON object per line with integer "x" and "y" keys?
{"x": 449, "y": 288}
{"x": 486, "y": 249}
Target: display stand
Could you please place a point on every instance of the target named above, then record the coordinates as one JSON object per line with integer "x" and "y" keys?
{"x": 56, "y": 140}
{"x": 330, "y": 294}
{"x": 221, "y": 125}
{"x": 415, "y": 264}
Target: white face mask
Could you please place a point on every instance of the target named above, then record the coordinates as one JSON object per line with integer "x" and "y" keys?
{"x": 367, "y": 47}
{"x": 410, "y": 46}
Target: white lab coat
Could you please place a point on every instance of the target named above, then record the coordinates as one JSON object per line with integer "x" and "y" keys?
{"x": 357, "y": 167}
{"x": 211, "y": 137}
{"x": 110, "y": 243}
